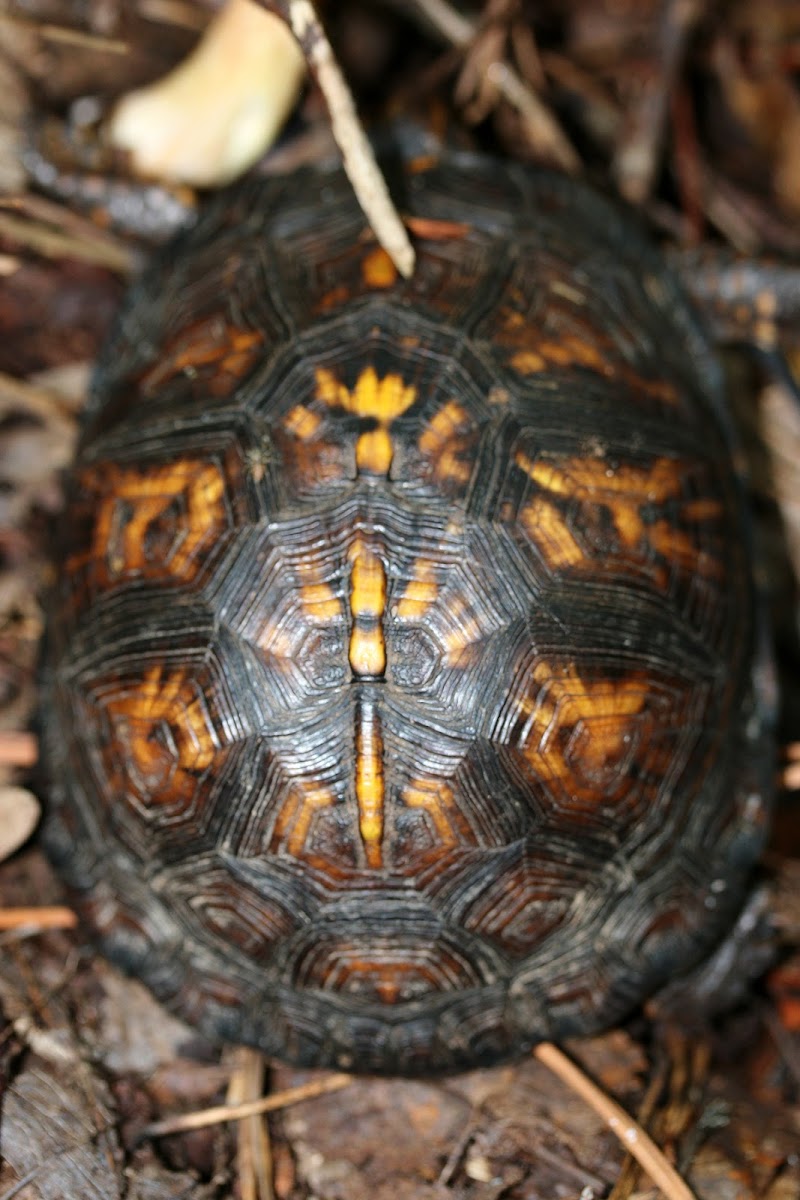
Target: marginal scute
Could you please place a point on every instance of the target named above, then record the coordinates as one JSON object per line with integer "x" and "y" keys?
{"x": 406, "y": 702}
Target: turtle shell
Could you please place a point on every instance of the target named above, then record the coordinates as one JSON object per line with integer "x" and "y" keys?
{"x": 402, "y": 703}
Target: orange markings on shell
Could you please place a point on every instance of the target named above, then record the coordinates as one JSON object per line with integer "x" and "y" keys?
{"x": 367, "y": 656}
{"x": 367, "y": 608}
{"x": 227, "y": 351}
{"x": 320, "y": 603}
{"x": 550, "y": 532}
{"x": 166, "y": 729}
{"x": 433, "y": 230}
{"x": 378, "y": 270}
{"x": 442, "y": 439}
{"x": 301, "y": 422}
{"x": 420, "y": 591}
{"x": 370, "y": 787}
{"x": 604, "y": 713}
{"x": 436, "y": 799}
{"x": 374, "y": 452}
{"x": 465, "y": 628}
{"x": 136, "y": 530}
{"x": 384, "y": 399}
{"x": 381, "y": 399}
{"x": 532, "y": 356}
{"x": 624, "y": 491}
{"x": 301, "y": 802}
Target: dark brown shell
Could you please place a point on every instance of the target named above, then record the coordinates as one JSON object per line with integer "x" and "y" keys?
{"x": 403, "y": 702}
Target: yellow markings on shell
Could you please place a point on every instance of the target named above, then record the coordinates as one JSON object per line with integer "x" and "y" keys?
{"x": 624, "y": 490}
{"x": 546, "y": 526}
{"x": 374, "y": 452}
{"x": 567, "y": 351}
{"x": 370, "y": 786}
{"x": 420, "y": 592}
{"x": 207, "y": 344}
{"x": 377, "y": 269}
{"x": 528, "y": 362}
{"x": 297, "y": 814}
{"x": 367, "y": 654}
{"x": 436, "y": 798}
{"x": 275, "y": 641}
{"x": 381, "y": 399}
{"x": 657, "y": 482}
{"x": 367, "y": 651}
{"x": 436, "y": 442}
{"x": 147, "y": 494}
{"x": 465, "y": 628}
{"x": 320, "y": 602}
{"x": 384, "y": 399}
{"x": 563, "y": 698}
{"x": 443, "y": 424}
{"x": 302, "y": 423}
{"x": 170, "y": 698}
{"x": 765, "y": 327}
{"x": 368, "y": 582}
{"x": 530, "y": 356}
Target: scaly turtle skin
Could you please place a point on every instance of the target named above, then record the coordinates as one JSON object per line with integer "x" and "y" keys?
{"x": 403, "y": 699}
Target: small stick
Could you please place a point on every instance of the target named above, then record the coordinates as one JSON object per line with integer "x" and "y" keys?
{"x": 637, "y": 153}
{"x": 254, "y": 1151}
{"x": 63, "y": 33}
{"x": 85, "y": 41}
{"x": 33, "y": 207}
{"x": 631, "y": 1135}
{"x": 184, "y": 14}
{"x": 630, "y": 1170}
{"x": 237, "y": 1112}
{"x": 686, "y": 156}
{"x": 55, "y": 916}
{"x": 18, "y": 749}
{"x": 545, "y": 133}
{"x": 789, "y": 777}
{"x": 51, "y": 243}
{"x": 359, "y": 161}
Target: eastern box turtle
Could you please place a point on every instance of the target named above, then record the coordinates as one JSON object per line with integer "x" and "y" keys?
{"x": 403, "y": 702}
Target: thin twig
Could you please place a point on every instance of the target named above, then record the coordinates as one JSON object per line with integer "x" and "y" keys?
{"x": 785, "y": 1043}
{"x": 66, "y": 220}
{"x": 55, "y": 916}
{"x": 184, "y": 14}
{"x": 632, "y": 1136}
{"x": 254, "y": 1151}
{"x": 544, "y": 131}
{"x": 18, "y": 749}
{"x": 630, "y": 1171}
{"x": 66, "y": 35}
{"x": 359, "y": 161}
{"x": 638, "y": 150}
{"x": 52, "y": 243}
{"x": 790, "y": 774}
{"x": 85, "y": 41}
{"x": 238, "y": 1112}
{"x": 686, "y": 157}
